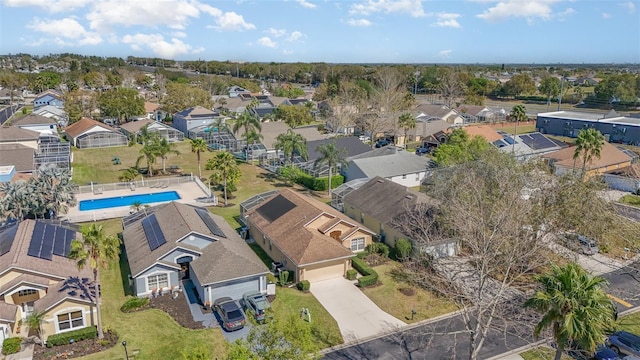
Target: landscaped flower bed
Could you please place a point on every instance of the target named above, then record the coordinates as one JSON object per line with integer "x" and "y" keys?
{"x": 76, "y": 349}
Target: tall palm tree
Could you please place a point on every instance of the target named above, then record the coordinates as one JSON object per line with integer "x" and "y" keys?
{"x": 129, "y": 174}
{"x": 164, "y": 149}
{"x": 247, "y": 122}
{"x": 406, "y": 121}
{"x": 149, "y": 152}
{"x": 253, "y": 137}
{"x": 35, "y": 321}
{"x": 588, "y": 145}
{"x": 518, "y": 113}
{"x": 95, "y": 249}
{"x": 331, "y": 156}
{"x": 574, "y": 306}
{"x": 15, "y": 200}
{"x": 198, "y": 146}
{"x": 225, "y": 170}
{"x": 291, "y": 143}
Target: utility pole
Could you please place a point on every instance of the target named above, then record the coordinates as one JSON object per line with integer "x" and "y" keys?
{"x": 561, "y": 89}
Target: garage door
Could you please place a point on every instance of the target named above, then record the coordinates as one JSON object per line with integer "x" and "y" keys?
{"x": 329, "y": 271}
{"x": 235, "y": 290}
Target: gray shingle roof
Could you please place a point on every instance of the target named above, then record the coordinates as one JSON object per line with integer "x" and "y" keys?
{"x": 18, "y": 155}
{"x": 271, "y": 130}
{"x": 351, "y": 146}
{"x": 32, "y": 119}
{"x": 389, "y": 161}
{"x": 11, "y": 134}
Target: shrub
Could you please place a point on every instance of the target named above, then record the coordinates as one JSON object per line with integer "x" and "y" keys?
{"x": 304, "y": 285}
{"x": 403, "y": 249}
{"x": 11, "y": 345}
{"x": 362, "y": 254}
{"x": 378, "y": 248}
{"x": 352, "y": 274}
{"x": 89, "y": 332}
{"x": 272, "y": 278}
{"x": 284, "y": 278}
{"x": 368, "y": 280}
{"x": 133, "y": 304}
{"x": 319, "y": 184}
{"x": 369, "y": 276}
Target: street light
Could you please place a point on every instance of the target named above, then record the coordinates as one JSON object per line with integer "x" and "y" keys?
{"x": 126, "y": 354}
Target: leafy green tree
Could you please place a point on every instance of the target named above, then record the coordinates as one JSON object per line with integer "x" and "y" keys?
{"x": 588, "y": 146}
{"x": 289, "y": 91}
{"x": 406, "y": 121}
{"x": 149, "y": 152}
{"x": 55, "y": 189}
{"x": 331, "y": 156}
{"x": 520, "y": 84}
{"x": 225, "y": 170}
{"x": 574, "y": 306}
{"x": 12, "y": 81}
{"x": 35, "y": 321}
{"x": 184, "y": 96}
{"x": 625, "y": 87}
{"x": 164, "y": 148}
{"x": 460, "y": 148}
{"x": 45, "y": 80}
{"x": 248, "y": 123}
{"x": 294, "y": 115}
{"x": 96, "y": 249}
{"x": 550, "y": 87}
{"x": 199, "y": 146}
{"x": 291, "y": 143}
{"x": 79, "y": 103}
{"x": 122, "y": 103}
{"x": 290, "y": 174}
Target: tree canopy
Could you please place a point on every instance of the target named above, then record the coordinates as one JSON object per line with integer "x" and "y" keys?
{"x": 460, "y": 148}
{"x": 294, "y": 115}
{"x": 184, "y": 96}
{"x": 121, "y": 103}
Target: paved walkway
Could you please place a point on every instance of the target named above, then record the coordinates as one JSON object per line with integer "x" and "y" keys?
{"x": 209, "y": 319}
{"x": 358, "y": 317}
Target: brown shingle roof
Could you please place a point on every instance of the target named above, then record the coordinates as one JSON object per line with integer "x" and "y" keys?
{"x": 135, "y": 126}
{"x": 22, "y": 279}
{"x": 197, "y": 110}
{"x": 32, "y": 119}
{"x": 18, "y": 155}
{"x": 150, "y": 107}
{"x": 433, "y": 110}
{"x": 271, "y": 130}
{"x": 73, "y": 288}
{"x": 8, "y": 312}
{"x": 609, "y": 155}
{"x": 76, "y": 129}
{"x": 487, "y": 132}
{"x": 10, "y": 134}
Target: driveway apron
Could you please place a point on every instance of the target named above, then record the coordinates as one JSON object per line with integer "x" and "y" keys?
{"x": 357, "y": 316}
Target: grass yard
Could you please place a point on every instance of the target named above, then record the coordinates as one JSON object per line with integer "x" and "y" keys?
{"x": 626, "y": 234}
{"x": 542, "y": 353}
{"x": 323, "y": 327}
{"x": 630, "y": 323}
{"x": 389, "y": 298}
{"x": 154, "y": 333}
{"x": 522, "y": 129}
{"x": 632, "y": 200}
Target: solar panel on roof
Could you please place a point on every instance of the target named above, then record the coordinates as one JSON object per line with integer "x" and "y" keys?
{"x": 538, "y": 141}
{"x": 36, "y": 240}
{"x": 62, "y": 241}
{"x": 275, "y": 208}
{"x": 509, "y": 140}
{"x": 152, "y": 231}
{"x": 206, "y": 218}
{"x": 7, "y": 234}
{"x": 46, "y": 252}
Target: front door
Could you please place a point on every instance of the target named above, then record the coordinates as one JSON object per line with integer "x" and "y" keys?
{"x": 27, "y": 309}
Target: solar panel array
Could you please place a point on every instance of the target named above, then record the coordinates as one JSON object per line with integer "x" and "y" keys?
{"x": 509, "y": 140}
{"x": 154, "y": 235}
{"x": 48, "y": 240}
{"x": 537, "y": 141}
{"x": 275, "y": 208}
{"x": 7, "y": 234}
{"x": 213, "y": 227}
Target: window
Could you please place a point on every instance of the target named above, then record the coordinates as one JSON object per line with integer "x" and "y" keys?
{"x": 417, "y": 176}
{"x": 158, "y": 281}
{"x": 357, "y": 244}
{"x": 27, "y": 292}
{"x": 72, "y": 320}
{"x": 270, "y": 244}
{"x": 404, "y": 176}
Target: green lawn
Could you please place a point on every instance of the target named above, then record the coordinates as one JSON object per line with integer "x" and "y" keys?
{"x": 522, "y": 129}
{"x": 389, "y": 298}
{"x": 626, "y": 234}
{"x": 541, "y": 353}
{"x": 633, "y": 200}
{"x": 630, "y": 323}
{"x": 153, "y": 332}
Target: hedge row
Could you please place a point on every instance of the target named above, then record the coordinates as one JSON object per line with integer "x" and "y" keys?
{"x": 319, "y": 184}
{"x": 90, "y": 332}
{"x": 133, "y": 304}
{"x": 11, "y": 345}
{"x": 369, "y": 276}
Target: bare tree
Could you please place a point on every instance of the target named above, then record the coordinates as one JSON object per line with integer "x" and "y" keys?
{"x": 346, "y": 105}
{"x": 388, "y": 99}
{"x": 450, "y": 85}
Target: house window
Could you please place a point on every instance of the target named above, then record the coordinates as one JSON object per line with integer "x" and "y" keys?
{"x": 158, "y": 281}
{"x": 357, "y": 244}
{"x": 27, "y": 292}
{"x": 71, "y": 320}
{"x": 270, "y": 244}
{"x": 404, "y": 176}
{"x": 417, "y": 176}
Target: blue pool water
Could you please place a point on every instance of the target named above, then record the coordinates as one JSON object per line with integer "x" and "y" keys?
{"x": 112, "y": 202}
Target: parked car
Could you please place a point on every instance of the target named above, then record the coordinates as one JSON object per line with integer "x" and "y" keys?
{"x": 602, "y": 353}
{"x": 257, "y": 304}
{"x": 623, "y": 342}
{"x": 422, "y": 151}
{"x": 588, "y": 246}
{"x": 230, "y": 313}
{"x": 382, "y": 142}
{"x": 631, "y": 357}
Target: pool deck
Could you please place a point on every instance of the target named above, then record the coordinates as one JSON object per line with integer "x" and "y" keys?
{"x": 188, "y": 192}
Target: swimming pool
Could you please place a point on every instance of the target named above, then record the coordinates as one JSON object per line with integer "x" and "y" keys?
{"x": 112, "y": 202}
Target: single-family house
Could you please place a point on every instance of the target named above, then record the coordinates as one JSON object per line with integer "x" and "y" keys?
{"x": 193, "y": 119}
{"x": 389, "y": 162}
{"x": 37, "y": 275}
{"x": 133, "y": 128}
{"x": 476, "y": 113}
{"x": 306, "y": 236}
{"x": 271, "y": 130}
{"x": 611, "y": 158}
{"x": 55, "y": 113}
{"x": 88, "y": 133}
{"x": 348, "y": 146}
{"x": 20, "y": 156}
{"x": 484, "y": 131}
{"x": 235, "y": 91}
{"x": 174, "y": 245}
{"x": 425, "y": 112}
{"x": 48, "y": 97}
{"x": 528, "y": 146}
{"x": 16, "y": 135}
{"x": 428, "y": 132}
{"x": 9, "y": 97}
{"x": 34, "y": 122}
{"x": 153, "y": 111}
{"x": 340, "y": 119}
{"x": 624, "y": 179}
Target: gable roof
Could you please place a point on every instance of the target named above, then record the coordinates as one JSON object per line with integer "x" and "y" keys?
{"x": 8, "y": 312}
{"x": 397, "y": 199}
{"x": 487, "y": 132}
{"x": 50, "y": 92}
{"x": 135, "y": 126}
{"x": 609, "y": 155}
{"x": 471, "y": 109}
{"x": 350, "y": 145}
{"x": 225, "y": 258}
{"x": 150, "y": 107}
{"x": 389, "y": 161}
{"x": 10, "y": 134}
{"x": 283, "y": 217}
{"x": 427, "y": 128}
{"x": 51, "y": 110}
{"x": 32, "y": 119}
{"x": 18, "y": 155}
{"x": 271, "y": 130}
{"x": 196, "y": 112}
{"x": 77, "y": 128}
{"x": 438, "y": 111}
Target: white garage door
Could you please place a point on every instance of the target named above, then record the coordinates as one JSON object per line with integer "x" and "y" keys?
{"x": 326, "y": 272}
{"x": 235, "y": 290}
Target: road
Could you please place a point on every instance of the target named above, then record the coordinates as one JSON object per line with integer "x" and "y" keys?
{"x": 445, "y": 339}
{"x": 7, "y": 112}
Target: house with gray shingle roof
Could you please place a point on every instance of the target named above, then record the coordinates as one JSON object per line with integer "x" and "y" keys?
{"x": 37, "y": 275}
{"x": 173, "y": 242}
{"x": 391, "y": 163}
{"x": 34, "y": 122}
{"x": 192, "y": 118}
{"x": 133, "y": 128}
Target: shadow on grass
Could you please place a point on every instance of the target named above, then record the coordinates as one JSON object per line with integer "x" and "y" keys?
{"x": 325, "y": 337}
{"x": 266, "y": 259}
{"x": 125, "y": 272}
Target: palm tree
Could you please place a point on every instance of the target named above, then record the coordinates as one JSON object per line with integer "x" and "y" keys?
{"x": 198, "y": 146}
{"x": 247, "y": 122}
{"x": 406, "y": 121}
{"x": 518, "y": 113}
{"x": 253, "y": 137}
{"x": 15, "y": 200}
{"x": 129, "y": 174}
{"x": 95, "y": 249}
{"x": 56, "y": 188}
{"x": 588, "y": 145}
{"x": 331, "y": 156}
{"x": 35, "y": 321}
{"x": 574, "y": 306}
{"x": 225, "y": 170}
{"x": 137, "y": 206}
{"x": 291, "y": 143}
{"x": 165, "y": 148}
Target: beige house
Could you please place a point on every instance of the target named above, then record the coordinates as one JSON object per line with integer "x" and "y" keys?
{"x": 611, "y": 159}
{"x": 307, "y": 236}
{"x": 37, "y": 276}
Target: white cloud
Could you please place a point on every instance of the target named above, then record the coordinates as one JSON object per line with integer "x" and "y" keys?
{"x": 65, "y": 32}
{"x": 276, "y": 32}
{"x": 161, "y": 47}
{"x": 295, "y": 36}
{"x": 630, "y": 6}
{"x": 520, "y": 9}
{"x": 108, "y": 14}
{"x": 358, "y": 22}
{"x": 230, "y": 21}
{"x": 444, "y": 53}
{"x": 49, "y": 5}
{"x": 606, "y": 15}
{"x": 307, "y": 4}
{"x": 368, "y": 7}
{"x": 447, "y": 20}
{"x": 179, "y": 34}
{"x": 267, "y": 42}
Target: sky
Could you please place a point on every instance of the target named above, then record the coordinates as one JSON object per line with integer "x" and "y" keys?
{"x": 356, "y": 31}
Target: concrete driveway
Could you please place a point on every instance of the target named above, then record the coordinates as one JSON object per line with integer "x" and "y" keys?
{"x": 357, "y": 316}
{"x": 596, "y": 264}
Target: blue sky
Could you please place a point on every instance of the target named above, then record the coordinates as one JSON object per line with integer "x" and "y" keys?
{"x": 358, "y": 31}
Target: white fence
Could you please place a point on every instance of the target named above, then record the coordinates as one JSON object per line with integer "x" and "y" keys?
{"x": 160, "y": 182}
